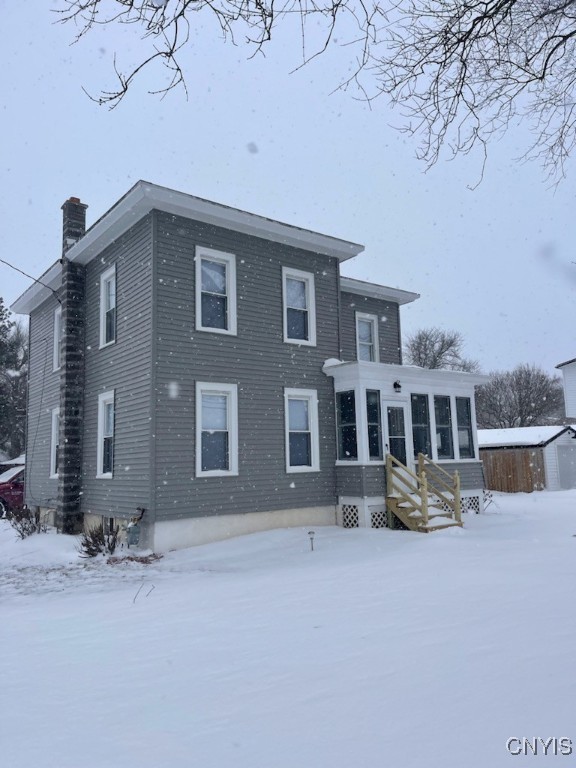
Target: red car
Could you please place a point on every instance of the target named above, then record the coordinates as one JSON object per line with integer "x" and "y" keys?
{"x": 11, "y": 489}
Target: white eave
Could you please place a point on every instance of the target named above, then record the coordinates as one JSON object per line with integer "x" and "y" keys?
{"x": 145, "y": 197}
{"x": 406, "y": 374}
{"x": 362, "y": 288}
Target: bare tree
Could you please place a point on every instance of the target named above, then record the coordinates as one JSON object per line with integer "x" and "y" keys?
{"x": 524, "y": 397}
{"x": 460, "y": 72}
{"x": 13, "y": 384}
{"x": 435, "y": 348}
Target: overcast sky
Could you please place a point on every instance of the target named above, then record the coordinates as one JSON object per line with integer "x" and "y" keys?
{"x": 495, "y": 263}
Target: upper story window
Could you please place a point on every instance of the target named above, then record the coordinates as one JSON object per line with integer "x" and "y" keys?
{"x": 105, "y": 445}
{"x": 108, "y": 307}
{"x": 443, "y": 416}
{"x": 464, "y": 422}
{"x": 55, "y": 442}
{"x": 57, "y": 338}
{"x": 367, "y": 337}
{"x": 346, "y": 426}
{"x": 299, "y": 307}
{"x": 215, "y": 291}
{"x": 301, "y": 418}
{"x": 216, "y": 429}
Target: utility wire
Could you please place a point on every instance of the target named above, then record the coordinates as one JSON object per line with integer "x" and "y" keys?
{"x": 31, "y": 278}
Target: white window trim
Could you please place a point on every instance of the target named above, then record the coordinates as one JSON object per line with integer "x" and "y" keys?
{"x": 57, "y": 339}
{"x": 311, "y": 395}
{"x": 103, "y": 399}
{"x": 229, "y": 259}
{"x": 231, "y": 391}
{"x": 54, "y": 436}
{"x": 308, "y": 278}
{"x": 373, "y": 319}
{"x": 104, "y": 278}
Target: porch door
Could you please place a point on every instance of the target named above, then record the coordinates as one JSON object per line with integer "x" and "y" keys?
{"x": 395, "y": 438}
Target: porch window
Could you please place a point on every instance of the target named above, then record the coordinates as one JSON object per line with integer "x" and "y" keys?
{"x": 346, "y": 426}
{"x": 301, "y": 413}
{"x": 464, "y": 422}
{"x": 215, "y": 291}
{"x": 374, "y": 420}
{"x": 367, "y": 337}
{"x": 421, "y": 425}
{"x": 444, "y": 441}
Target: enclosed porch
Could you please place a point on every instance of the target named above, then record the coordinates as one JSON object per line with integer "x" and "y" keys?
{"x": 407, "y": 448}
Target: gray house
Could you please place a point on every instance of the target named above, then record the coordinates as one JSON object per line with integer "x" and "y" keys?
{"x": 213, "y": 368}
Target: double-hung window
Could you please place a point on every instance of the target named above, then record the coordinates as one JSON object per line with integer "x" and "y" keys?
{"x": 367, "y": 337}
{"x": 299, "y": 307}
{"x": 346, "y": 426}
{"x": 301, "y": 424}
{"x": 108, "y": 307}
{"x": 374, "y": 420}
{"x": 57, "y": 338}
{"x": 54, "y": 442}
{"x": 215, "y": 291}
{"x": 464, "y": 422}
{"x": 216, "y": 429}
{"x": 105, "y": 447}
{"x": 421, "y": 425}
{"x": 443, "y": 417}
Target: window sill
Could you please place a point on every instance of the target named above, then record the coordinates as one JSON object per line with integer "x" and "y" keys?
{"x": 105, "y": 476}
{"x": 217, "y": 473}
{"x": 53, "y": 477}
{"x": 301, "y": 470}
{"x": 220, "y": 331}
{"x": 108, "y": 344}
{"x": 300, "y": 342}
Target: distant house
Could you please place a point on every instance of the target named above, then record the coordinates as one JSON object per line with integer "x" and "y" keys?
{"x": 569, "y": 379}
{"x": 213, "y": 368}
{"x": 528, "y": 458}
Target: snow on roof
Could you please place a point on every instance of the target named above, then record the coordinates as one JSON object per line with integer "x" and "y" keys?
{"x": 18, "y": 461}
{"x": 520, "y": 436}
{"x": 9, "y": 474}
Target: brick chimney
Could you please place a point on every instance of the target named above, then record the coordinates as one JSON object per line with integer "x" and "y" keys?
{"x": 74, "y": 222}
{"x": 72, "y": 295}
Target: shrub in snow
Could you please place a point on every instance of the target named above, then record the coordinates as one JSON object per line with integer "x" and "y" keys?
{"x": 95, "y": 542}
{"x": 25, "y": 522}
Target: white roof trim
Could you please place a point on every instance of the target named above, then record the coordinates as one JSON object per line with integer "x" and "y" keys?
{"x": 144, "y": 197}
{"x": 375, "y": 291}
{"x": 406, "y": 374}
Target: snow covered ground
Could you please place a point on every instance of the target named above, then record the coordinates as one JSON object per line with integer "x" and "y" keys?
{"x": 380, "y": 648}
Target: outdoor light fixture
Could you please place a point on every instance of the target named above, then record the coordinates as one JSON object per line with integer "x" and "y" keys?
{"x": 397, "y": 386}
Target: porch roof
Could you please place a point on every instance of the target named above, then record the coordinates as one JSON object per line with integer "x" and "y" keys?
{"x": 409, "y": 375}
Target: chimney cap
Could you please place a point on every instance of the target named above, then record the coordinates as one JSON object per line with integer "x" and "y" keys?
{"x": 74, "y": 201}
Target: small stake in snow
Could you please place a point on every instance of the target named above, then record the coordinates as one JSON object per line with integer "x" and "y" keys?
{"x": 311, "y": 534}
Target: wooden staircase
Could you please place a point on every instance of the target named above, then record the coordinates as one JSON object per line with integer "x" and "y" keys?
{"x": 424, "y": 501}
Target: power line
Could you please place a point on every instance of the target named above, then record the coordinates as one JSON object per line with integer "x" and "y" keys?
{"x": 16, "y": 269}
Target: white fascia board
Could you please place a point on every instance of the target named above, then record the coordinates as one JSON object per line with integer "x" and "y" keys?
{"x": 39, "y": 291}
{"x": 145, "y": 197}
{"x": 410, "y": 376}
{"x": 375, "y": 291}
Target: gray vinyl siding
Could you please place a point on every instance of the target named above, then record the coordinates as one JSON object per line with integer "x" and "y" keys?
{"x": 124, "y": 367}
{"x": 471, "y": 476}
{"x": 360, "y": 480}
{"x": 388, "y": 315}
{"x": 43, "y": 397}
{"x": 257, "y": 360}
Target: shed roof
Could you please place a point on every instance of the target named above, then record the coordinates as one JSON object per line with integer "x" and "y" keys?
{"x": 521, "y": 437}
{"x": 566, "y": 362}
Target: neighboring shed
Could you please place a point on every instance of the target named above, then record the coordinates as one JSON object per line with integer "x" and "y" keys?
{"x": 528, "y": 458}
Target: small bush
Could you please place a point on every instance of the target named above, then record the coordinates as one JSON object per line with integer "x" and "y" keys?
{"x": 94, "y": 542}
{"x": 25, "y": 522}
